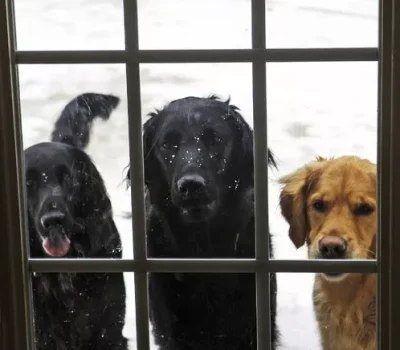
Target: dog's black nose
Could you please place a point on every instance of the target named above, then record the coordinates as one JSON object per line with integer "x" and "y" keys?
{"x": 191, "y": 186}
{"x": 332, "y": 247}
{"x": 52, "y": 218}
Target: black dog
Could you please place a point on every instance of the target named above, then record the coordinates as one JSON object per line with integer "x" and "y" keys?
{"x": 200, "y": 181}
{"x": 70, "y": 216}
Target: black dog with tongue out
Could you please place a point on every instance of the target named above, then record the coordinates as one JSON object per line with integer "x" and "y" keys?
{"x": 70, "y": 216}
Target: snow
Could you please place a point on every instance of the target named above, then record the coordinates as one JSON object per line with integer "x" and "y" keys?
{"x": 326, "y": 109}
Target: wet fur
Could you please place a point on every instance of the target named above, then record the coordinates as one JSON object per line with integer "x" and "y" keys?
{"x": 203, "y": 311}
{"x": 345, "y": 308}
{"x": 75, "y": 121}
{"x": 75, "y": 311}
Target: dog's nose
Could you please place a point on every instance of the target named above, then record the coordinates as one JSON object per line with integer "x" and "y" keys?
{"x": 191, "y": 185}
{"x": 52, "y": 218}
{"x": 332, "y": 247}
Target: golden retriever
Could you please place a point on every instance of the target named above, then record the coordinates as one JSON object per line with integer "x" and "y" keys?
{"x": 330, "y": 204}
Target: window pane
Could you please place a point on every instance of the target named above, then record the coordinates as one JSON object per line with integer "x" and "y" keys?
{"x": 65, "y": 188}
{"x": 296, "y": 316}
{"x": 301, "y": 325}
{"x": 83, "y": 311}
{"x": 317, "y": 109}
{"x": 162, "y": 83}
{"x": 211, "y": 311}
{"x": 316, "y": 23}
{"x": 194, "y": 24}
{"x": 72, "y": 25}
{"x": 193, "y": 140}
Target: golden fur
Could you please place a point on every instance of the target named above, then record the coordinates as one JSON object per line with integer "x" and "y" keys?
{"x": 337, "y": 197}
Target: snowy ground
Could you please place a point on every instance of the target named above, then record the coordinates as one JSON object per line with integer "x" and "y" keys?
{"x": 313, "y": 108}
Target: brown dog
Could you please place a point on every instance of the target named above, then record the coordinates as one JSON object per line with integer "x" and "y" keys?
{"x": 331, "y": 205}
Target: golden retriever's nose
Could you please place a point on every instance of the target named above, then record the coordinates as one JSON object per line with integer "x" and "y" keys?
{"x": 332, "y": 247}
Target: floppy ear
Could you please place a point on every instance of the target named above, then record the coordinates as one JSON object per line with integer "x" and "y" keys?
{"x": 151, "y": 164}
{"x": 243, "y": 146}
{"x": 293, "y": 200}
{"x": 246, "y": 137}
{"x": 96, "y": 210}
{"x": 152, "y": 168}
{"x": 93, "y": 194}
{"x": 154, "y": 174}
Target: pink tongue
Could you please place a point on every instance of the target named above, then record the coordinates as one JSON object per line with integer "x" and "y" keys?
{"x": 59, "y": 250}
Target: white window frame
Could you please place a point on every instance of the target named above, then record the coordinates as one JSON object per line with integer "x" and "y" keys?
{"x": 16, "y": 329}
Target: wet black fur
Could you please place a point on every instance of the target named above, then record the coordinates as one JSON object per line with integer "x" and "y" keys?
{"x": 73, "y": 125}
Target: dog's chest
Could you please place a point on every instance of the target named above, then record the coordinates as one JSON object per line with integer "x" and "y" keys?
{"x": 344, "y": 327}
{"x": 66, "y": 299}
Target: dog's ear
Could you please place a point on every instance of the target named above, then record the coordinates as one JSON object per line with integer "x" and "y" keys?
{"x": 96, "y": 209}
{"x": 151, "y": 164}
{"x": 372, "y": 249}
{"x": 243, "y": 146}
{"x": 293, "y": 200}
{"x": 246, "y": 137}
{"x": 155, "y": 177}
{"x": 92, "y": 199}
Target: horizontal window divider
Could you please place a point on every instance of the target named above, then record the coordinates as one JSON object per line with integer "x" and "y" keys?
{"x": 71, "y": 57}
{"x": 201, "y": 265}
{"x": 199, "y": 56}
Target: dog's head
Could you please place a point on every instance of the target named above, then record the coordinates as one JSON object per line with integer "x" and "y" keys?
{"x": 197, "y": 150}
{"x": 331, "y": 205}
{"x": 64, "y": 193}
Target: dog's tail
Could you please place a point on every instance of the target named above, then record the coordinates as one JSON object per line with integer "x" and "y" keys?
{"x": 73, "y": 125}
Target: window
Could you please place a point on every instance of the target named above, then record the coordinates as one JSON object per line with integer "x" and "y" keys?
{"x": 253, "y": 51}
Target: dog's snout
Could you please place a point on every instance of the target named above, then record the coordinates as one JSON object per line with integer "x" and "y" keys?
{"x": 52, "y": 218}
{"x": 332, "y": 247}
{"x": 190, "y": 185}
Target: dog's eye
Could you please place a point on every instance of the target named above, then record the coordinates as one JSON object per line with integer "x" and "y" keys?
{"x": 171, "y": 141}
{"x": 211, "y": 137}
{"x": 319, "y": 205}
{"x": 363, "y": 210}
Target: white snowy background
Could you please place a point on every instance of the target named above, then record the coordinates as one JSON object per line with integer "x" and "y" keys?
{"x": 326, "y": 109}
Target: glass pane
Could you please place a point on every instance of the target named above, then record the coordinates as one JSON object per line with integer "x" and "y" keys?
{"x": 163, "y": 83}
{"x": 83, "y": 311}
{"x": 193, "y": 140}
{"x": 322, "y": 23}
{"x": 205, "y": 311}
{"x": 317, "y": 109}
{"x": 194, "y": 24}
{"x": 306, "y": 324}
{"x": 83, "y": 106}
{"x": 72, "y": 25}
